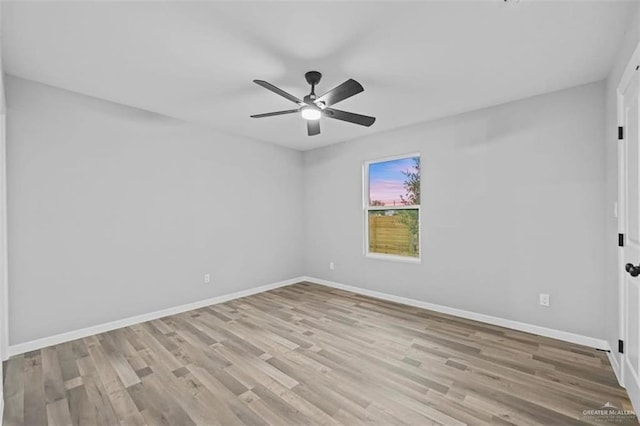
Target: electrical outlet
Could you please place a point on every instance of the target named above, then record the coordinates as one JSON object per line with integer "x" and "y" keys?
{"x": 332, "y": 266}
{"x": 544, "y": 299}
{"x": 207, "y": 278}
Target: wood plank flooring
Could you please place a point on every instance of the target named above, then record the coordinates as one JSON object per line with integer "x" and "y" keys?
{"x": 304, "y": 355}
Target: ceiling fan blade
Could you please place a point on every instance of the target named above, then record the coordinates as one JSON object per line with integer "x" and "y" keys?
{"x": 271, "y": 114}
{"x": 341, "y": 92}
{"x": 278, "y": 91}
{"x": 363, "y": 120}
{"x": 313, "y": 127}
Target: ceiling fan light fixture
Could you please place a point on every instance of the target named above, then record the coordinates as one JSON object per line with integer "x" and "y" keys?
{"x": 310, "y": 113}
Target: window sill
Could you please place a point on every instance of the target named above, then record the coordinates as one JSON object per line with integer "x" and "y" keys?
{"x": 393, "y": 258}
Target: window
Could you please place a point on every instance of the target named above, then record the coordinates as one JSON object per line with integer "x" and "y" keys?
{"x": 392, "y": 208}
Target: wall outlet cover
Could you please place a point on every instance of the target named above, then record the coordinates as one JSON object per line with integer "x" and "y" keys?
{"x": 544, "y": 299}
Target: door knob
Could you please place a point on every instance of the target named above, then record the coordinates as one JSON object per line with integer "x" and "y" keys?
{"x": 634, "y": 271}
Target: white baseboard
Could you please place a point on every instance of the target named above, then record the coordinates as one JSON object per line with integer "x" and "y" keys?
{"x": 33, "y": 345}
{"x": 613, "y": 360}
{"x": 502, "y": 322}
{"x": 516, "y": 325}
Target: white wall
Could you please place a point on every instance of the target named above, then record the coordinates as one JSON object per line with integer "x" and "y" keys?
{"x": 4, "y": 325}
{"x": 631, "y": 39}
{"x": 115, "y": 212}
{"x": 4, "y": 338}
{"x": 512, "y": 206}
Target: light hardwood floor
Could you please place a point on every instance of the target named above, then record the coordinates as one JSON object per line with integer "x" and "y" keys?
{"x": 309, "y": 354}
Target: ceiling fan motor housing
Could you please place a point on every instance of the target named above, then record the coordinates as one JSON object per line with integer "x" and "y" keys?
{"x": 313, "y": 77}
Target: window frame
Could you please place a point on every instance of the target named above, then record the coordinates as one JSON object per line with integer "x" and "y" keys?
{"x": 366, "y": 208}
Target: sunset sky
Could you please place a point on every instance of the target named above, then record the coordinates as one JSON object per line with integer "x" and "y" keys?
{"x": 386, "y": 180}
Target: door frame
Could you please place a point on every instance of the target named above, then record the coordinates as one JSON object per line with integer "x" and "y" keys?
{"x": 4, "y": 265}
{"x": 4, "y": 285}
{"x": 627, "y": 75}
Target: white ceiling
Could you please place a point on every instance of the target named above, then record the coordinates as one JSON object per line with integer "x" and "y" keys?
{"x": 416, "y": 60}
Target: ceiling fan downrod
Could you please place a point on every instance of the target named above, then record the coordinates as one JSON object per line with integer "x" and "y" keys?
{"x": 313, "y": 78}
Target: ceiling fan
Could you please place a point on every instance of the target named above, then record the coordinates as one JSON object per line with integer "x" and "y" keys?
{"x": 312, "y": 107}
